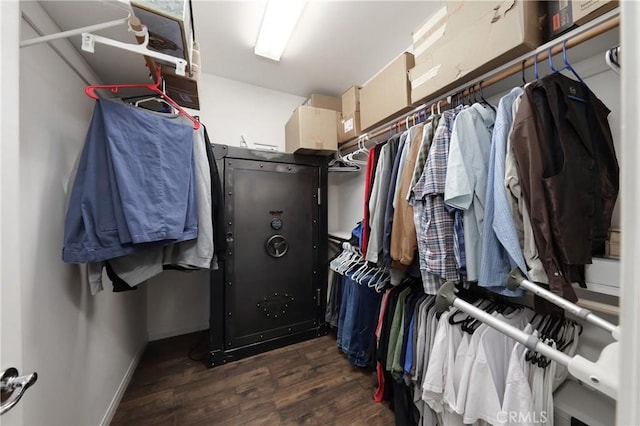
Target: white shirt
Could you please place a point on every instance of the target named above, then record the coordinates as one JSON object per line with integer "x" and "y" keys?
{"x": 466, "y": 363}
{"x": 467, "y": 173}
{"x": 435, "y": 376}
{"x": 517, "y": 393}
{"x": 488, "y": 374}
{"x": 547, "y": 402}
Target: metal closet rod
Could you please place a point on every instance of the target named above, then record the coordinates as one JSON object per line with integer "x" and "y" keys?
{"x": 541, "y": 55}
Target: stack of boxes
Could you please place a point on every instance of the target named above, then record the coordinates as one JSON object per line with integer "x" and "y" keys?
{"x": 460, "y": 42}
{"x": 388, "y": 94}
{"x": 613, "y": 243}
{"x": 313, "y": 127}
{"x": 465, "y": 39}
{"x": 563, "y": 15}
{"x": 349, "y": 125}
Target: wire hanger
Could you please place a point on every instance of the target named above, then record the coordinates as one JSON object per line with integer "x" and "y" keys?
{"x": 91, "y": 92}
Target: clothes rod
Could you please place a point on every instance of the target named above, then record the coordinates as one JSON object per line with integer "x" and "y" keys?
{"x": 586, "y": 33}
{"x": 518, "y": 280}
{"x": 446, "y": 297}
{"x": 602, "y": 375}
{"x": 77, "y": 31}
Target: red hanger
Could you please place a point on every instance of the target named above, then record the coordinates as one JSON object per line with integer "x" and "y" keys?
{"x": 91, "y": 92}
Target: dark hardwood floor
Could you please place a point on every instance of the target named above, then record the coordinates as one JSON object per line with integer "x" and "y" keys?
{"x": 307, "y": 383}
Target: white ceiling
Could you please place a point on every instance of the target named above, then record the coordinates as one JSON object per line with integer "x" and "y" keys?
{"x": 336, "y": 43}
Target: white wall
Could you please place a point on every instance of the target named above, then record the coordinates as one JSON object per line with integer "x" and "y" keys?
{"x": 82, "y": 346}
{"x": 230, "y": 108}
{"x": 10, "y": 290}
{"x": 346, "y": 200}
{"x": 178, "y": 302}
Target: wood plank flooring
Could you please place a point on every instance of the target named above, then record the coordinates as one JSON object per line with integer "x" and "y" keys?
{"x": 309, "y": 383}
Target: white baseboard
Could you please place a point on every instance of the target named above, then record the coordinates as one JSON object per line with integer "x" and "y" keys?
{"x": 128, "y": 375}
{"x": 163, "y": 334}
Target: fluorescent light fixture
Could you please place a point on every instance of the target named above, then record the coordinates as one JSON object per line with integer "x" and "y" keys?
{"x": 278, "y": 22}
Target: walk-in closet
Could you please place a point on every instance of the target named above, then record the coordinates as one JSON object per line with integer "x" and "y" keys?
{"x": 281, "y": 212}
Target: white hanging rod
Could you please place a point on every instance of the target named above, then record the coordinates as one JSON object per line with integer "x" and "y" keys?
{"x": 89, "y": 40}
{"x": 517, "y": 279}
{"x": 77, "y": 31}
{"x": 602, "y": 375}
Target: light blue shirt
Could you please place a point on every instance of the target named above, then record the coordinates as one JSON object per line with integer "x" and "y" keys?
{"x": 466, "y": 183}
{"x": 500, "y": 245}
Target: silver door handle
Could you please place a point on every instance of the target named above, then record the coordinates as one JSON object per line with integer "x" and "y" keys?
{"x": 10, "y": 382}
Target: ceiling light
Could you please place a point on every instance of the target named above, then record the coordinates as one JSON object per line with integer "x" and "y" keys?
{"x": 278, "y": 22}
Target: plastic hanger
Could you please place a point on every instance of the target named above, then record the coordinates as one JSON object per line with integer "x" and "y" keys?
{"x": 483, "y": 100}
{"x": 535, "y": 66}
{"x": 153, "y": 98}
{"x": 91, "y": 92}
{"x": 550, "y": 59}
{"x": 357, "y": 275}
{"x": 612, "y": 57}
{"x": 376, "y": 274}
{"x": 567, "y": 66}
{"x": 524, "y": 80}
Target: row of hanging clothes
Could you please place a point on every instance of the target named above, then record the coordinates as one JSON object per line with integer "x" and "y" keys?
{"x": 469, "y": 193}
{"x": 444, "y": 368}
{"x": 451, "y": 369}
{"x": 146, "y": 195}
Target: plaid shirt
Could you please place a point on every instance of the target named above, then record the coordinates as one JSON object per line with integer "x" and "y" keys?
{"x": 436, "y": 224}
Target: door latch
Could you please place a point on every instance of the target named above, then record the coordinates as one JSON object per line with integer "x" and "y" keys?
{"x": 11, "y": 383}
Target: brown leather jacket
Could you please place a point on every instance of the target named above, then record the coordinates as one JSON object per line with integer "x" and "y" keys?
{"x": 568, "y": 172}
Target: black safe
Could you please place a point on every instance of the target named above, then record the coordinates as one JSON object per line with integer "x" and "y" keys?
{"x": 270, "y": 289}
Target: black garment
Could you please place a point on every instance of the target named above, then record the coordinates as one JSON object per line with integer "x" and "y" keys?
{"x": 383, "y": 345}
{"x": 217, "y": 203}
{"x": 332, "y": 313}
{"x": 409, "y": 308}
{"x": 404, "y": 409}
{"x": 119, "y": 285}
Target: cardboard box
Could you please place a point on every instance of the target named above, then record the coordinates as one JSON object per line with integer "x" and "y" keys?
{"x": 563, "y": 15}
{"x": 312, "y": 131}
{"x": 614, "y": 235}
{"x": 182, "y": 89}
{"x": 324, "y": 101}
{"x": 349, "y": 126}
{"x": 612, "y": 249}
{"x": 351, "y": 100}
{"x": 388, "y": 94}
{"x": 490, "y": 33}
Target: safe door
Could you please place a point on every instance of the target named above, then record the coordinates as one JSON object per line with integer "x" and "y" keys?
{"x": 270, "y": 288}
